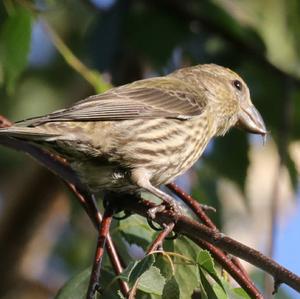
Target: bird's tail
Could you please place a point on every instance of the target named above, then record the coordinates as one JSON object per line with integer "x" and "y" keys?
{"x": 28, "y": 133}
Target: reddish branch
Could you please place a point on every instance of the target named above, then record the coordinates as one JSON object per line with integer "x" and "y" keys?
{"x": 102, "y": 237}
{"x": 157, "y": 243}
{"x": 233, "y": 266}
{"x": 88, "y": 203}
{"x": 201, "y": 234}
{"x": 193, "y": 204}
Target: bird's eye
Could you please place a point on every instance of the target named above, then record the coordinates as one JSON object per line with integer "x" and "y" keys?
{"x": 237, "y": 84}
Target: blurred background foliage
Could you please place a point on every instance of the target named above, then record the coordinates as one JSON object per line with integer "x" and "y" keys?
{"x": 53, "y": 53}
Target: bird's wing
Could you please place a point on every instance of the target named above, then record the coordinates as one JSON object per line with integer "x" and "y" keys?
{"x": 150, "y": 98}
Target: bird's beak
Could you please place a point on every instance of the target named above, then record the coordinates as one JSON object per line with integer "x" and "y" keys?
{"x": 250, "y": 120}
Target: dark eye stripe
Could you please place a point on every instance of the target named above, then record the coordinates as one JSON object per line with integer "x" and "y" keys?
{"x": 237, "y": 84}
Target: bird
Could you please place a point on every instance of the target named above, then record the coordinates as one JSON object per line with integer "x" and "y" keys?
{"x": 139, "y": 136}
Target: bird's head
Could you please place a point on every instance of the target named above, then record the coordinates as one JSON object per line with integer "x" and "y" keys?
{"x": 229, "y": 98}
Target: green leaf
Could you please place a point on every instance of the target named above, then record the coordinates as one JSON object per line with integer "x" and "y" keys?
{"x": 201, "y": 291}
{"x": 187, "y": 248}
{"x": 120, "y": 295}
{"x": 164, "y": 265}
{"x": 220, "y": 292}
{"x": 171, "y": 289}
{"x": 152, "y": 282}
{"x": 140, "y": 267}
{"x": 125, "y": 275}
{"x": 136, "y": 230}
{"x": 241, "y": 293}
{"x": 208, "y": 288}
{"x": 206, "y": 262}
{"x": 76, "y": 287}
{"x": 232, "y": 293}
{"x": 135, "y": 269}
{"x": 15, "y": 44}
{"x": 186, "y": 274}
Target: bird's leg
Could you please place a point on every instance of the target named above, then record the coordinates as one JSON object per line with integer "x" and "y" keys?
{"x": 102, "y": 236}
{"x": 140, "y": 177}
{"x": 168, "y": 201}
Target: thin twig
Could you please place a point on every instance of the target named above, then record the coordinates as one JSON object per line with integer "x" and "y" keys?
{"x": 157, "y": 243}
{"x": 88, "y": 203}
{"x": 91, "y": 76}
{"x": 102, "y": 237}
{"x": 193, "y": 204}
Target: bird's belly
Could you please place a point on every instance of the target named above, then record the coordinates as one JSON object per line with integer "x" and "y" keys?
{"x": 165, "y": 148}
{"x": 104, "y": 176}
{"x": 178, "y": 164}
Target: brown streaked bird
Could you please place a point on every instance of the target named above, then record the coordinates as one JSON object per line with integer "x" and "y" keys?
{"x": 144, "y": 134}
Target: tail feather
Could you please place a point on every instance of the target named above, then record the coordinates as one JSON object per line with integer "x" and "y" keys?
{"x": 27, "y": 133}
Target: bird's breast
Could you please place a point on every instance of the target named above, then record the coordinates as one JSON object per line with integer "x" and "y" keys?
{"x": 165, "y": 147}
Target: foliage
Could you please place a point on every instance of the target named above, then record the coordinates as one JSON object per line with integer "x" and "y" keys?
{"x": 169, "y": 275}
{"x": 15, "y": 42}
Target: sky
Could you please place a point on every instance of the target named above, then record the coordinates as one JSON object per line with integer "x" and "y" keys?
{"x": 287, "y": 242}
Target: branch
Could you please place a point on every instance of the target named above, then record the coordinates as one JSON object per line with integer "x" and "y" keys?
{"x": 158, "y": 242}
{"x": 102, "y": 237}
{"x": 88, "y": 203}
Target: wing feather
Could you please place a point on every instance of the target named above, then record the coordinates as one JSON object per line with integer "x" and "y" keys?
{"x": 164, "y": 97}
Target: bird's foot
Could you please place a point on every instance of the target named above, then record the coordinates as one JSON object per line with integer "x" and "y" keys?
{"x": 153, "y": 211}
{"x": 171, "y": 206}
{"x": 160, "y": 228}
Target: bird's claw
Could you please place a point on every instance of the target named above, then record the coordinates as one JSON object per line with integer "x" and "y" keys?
{"x": 171, "y": 206}
{"x": 157, "y": 209}
{"x": 208, "y": 208}
{"x": 126, "y": 215}
{"x": 151, "y": 224}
